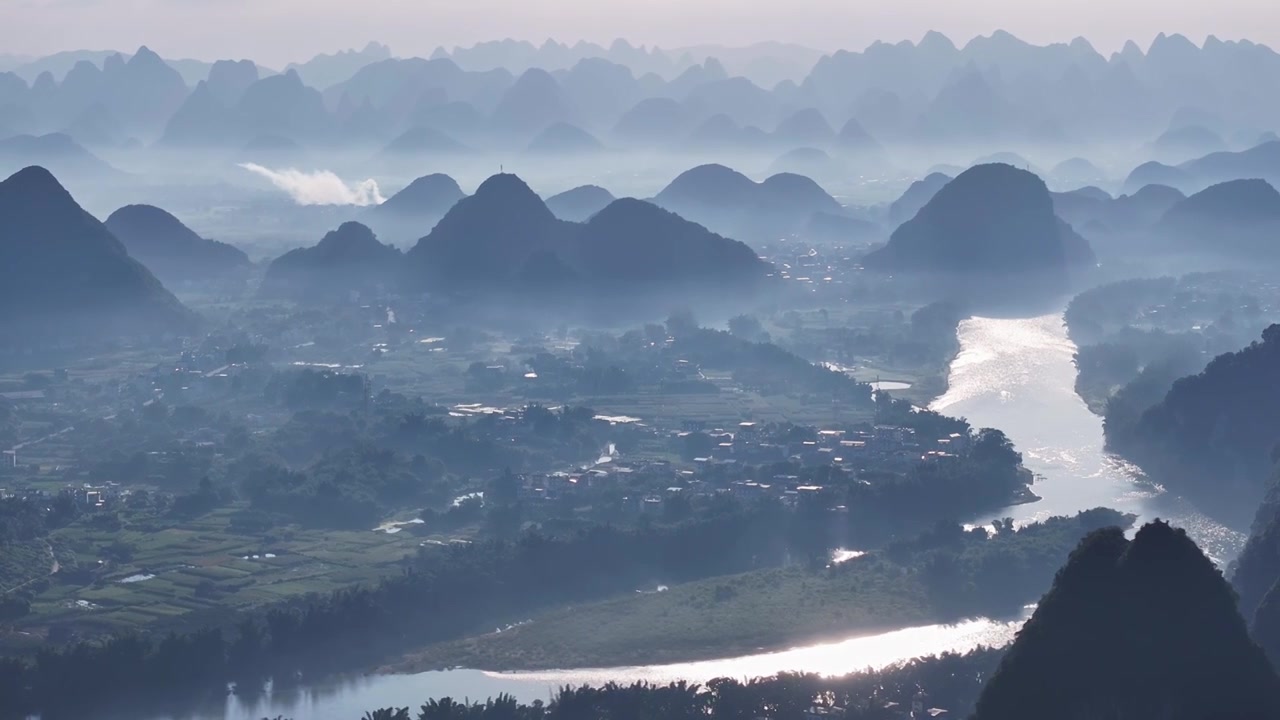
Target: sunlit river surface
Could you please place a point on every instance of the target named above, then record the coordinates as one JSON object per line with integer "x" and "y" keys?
{"x": 1012, "y": 374}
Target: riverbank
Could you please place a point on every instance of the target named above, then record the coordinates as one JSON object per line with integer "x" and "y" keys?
{"x": 724, "y": 616}
{"x": 937, "y": 579}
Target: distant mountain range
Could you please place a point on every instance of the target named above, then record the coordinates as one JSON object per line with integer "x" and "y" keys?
{"x": 1181, "y": 99}
{"x": 731, "y": 203}
{"x": 1239, "y": 219}
{"x": 1260, "y": 161}
{"x": 68, "y": 278}
{"x": 504, "y": 240}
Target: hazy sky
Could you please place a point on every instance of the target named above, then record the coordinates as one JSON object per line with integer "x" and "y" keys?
{"x": 278, "y": 31}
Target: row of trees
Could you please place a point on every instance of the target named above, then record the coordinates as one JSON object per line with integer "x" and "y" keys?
{"x": 950, "y": 681}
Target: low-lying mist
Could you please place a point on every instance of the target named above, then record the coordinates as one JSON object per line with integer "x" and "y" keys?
{"x": 320, "y": 187}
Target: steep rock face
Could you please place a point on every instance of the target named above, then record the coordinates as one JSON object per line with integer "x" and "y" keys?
{"x": 1141, "y": 628}
{"x": 1257, "y": 570}
{"x": 992, "y": 220}
{"x": 67, "y": 277}
{"x": 171, "y": 250}
{"x": 346, "y": 261}
{"x": 1212, "y": 436}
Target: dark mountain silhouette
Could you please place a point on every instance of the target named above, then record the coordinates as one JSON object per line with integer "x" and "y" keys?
{"x": 1211, "y": 438}
{"x": 564, "y": 139}
{"x": 917, "y": 195}
{"x": 504, "y": 239}
{"x": 706, "y": 186}
{"x": 994, "y": 222}
{"x": 322, "y": 71}
{"x": 640, "y": 245}
{"x": 731, "y": 203}
{"x": 580, "y": 203}
{"x": 347, "y": 261}
{"x": 68, "y": 279}
{"x": 1237, "y": 219}
{"x": 412, "y": 212}
{"x": 484, "y": 239}
{"x": 1113, "y": 638}
{"x": 1256, "y": 572}
{"x": 171, "y": 250}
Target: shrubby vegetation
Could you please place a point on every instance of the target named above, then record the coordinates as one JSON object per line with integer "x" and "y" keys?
{"x": 1213, "y": 434}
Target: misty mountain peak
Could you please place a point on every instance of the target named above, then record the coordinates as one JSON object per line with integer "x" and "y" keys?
{"x": 145, "y": 56}
{"x": 935, "y": 41}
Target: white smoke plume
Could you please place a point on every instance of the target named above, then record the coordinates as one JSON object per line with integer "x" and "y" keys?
{"x": 321, "y": 187}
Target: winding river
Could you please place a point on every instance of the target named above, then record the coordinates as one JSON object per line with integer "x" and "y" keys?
{"x": 1012, "y": 374}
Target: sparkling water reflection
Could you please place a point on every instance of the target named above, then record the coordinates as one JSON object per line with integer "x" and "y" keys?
{"x": 1013, "y": 374}
{"x": 1018, "y": 375}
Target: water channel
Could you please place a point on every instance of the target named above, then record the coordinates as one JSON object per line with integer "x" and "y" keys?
{"x": 1012, "y": 374}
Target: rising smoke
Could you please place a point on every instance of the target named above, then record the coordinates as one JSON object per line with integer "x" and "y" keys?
{"x": 320, "y": 187}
